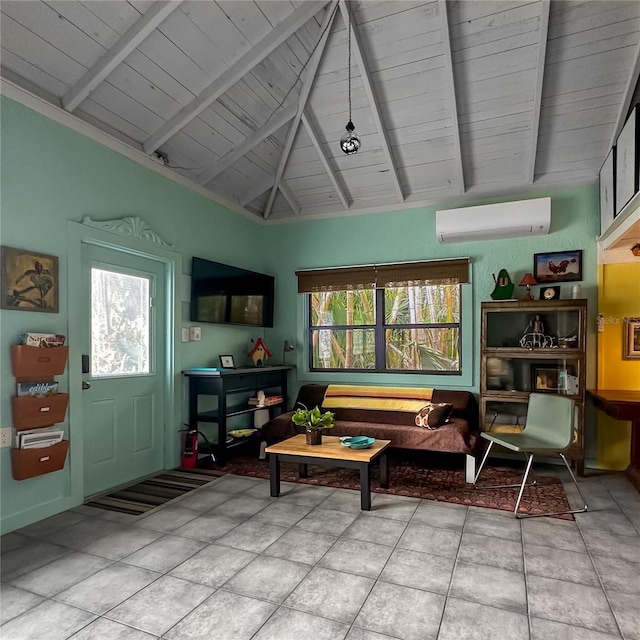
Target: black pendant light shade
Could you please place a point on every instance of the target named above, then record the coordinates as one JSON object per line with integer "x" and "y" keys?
{"x": 350, "y": 142}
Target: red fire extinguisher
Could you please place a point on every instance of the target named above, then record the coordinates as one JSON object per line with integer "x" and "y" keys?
{"x": 190, "y": 451}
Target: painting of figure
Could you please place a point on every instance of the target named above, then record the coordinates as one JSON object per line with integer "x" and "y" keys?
{"x": 29, "y": 281}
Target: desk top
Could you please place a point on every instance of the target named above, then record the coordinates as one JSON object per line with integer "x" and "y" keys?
{"x": 218, "y": 372}
{"x": 620, "y": 404}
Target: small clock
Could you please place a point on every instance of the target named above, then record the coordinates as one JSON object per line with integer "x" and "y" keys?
{"x": 550, "y": 293}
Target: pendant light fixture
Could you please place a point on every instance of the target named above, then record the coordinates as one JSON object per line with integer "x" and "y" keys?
{"x": 350, "y": 141}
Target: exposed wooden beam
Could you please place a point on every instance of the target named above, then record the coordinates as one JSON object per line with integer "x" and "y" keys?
{"x": 632, "y": 82}
{"x": 373, "y": 103}
{"x": 302, "y": 101}
{"x": 269, "y": 128}
{"x": 234, "y": 73}
{"x": 290, "y": 198}
{"x": 537, "y": 100}
{"x": 256, "y": 192}
{"x": 325, "y": 161}
{"x": 138, "y": 31}
{"x": 451, "y": 88}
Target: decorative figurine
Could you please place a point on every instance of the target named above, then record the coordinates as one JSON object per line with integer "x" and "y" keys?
{"x": 259, "y": 352}
{"x": 535, "y": 337}
{"x": 504, "y": 286}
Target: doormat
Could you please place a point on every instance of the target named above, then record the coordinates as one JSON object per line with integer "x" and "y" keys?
{"x": 411, "y": 477}
{"x": 143, "y": 496}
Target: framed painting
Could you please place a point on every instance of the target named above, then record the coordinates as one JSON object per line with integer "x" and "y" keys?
{"x": 607, "y": 191}
{"x": 631, "y": 338}
{"x": 544, "y": 379}
{"x": 29, "y": 280}
{"x": 627, "y": 162}
{"x": 558, "y": 266}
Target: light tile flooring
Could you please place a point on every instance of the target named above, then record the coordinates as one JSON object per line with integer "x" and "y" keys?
{"x": 229, "y": 562}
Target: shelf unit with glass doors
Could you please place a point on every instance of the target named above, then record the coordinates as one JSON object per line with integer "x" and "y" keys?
{"x": 532, "y": 346}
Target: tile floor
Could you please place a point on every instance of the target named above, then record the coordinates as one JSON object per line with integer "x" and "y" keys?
{"x": 229, "y": 562}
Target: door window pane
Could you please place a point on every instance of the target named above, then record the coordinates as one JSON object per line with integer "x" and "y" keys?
{"x": 120, "y": 323}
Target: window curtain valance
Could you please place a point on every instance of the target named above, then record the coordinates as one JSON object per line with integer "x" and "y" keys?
{"x": 428, "y": 272}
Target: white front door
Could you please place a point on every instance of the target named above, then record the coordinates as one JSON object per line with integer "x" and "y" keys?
{"x": 123, "y": 367}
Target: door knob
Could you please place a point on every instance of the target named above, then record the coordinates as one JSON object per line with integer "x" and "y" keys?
{"x": 85, "y": 385}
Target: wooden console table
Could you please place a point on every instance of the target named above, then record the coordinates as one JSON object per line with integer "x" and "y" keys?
{"x": 227, "y": 382}
{"x": 623, "y": 405}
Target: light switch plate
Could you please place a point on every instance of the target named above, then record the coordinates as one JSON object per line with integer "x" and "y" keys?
{"x": 185, "y": 334}
{"x": 5, "y": 437}
{"x": 195, "y": 333}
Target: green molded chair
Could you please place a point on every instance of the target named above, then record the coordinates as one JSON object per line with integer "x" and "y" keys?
{"x": 549, "y": 431}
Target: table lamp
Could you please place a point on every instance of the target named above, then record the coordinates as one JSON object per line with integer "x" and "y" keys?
{"x": 527, "y": 281}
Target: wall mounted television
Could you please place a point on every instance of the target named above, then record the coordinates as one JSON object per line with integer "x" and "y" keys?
{"x": 224, "y": 294}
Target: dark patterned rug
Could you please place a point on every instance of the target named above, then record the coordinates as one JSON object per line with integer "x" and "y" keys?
{"x": 415, "y": 478}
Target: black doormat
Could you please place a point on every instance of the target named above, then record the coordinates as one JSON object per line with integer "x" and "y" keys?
{"x": 143, "y": 496}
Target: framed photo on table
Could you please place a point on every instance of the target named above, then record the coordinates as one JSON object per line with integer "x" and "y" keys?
{"x": 227, "y": 362}
{"x": 626, "y": 164}
{"x": 607, "y": 191}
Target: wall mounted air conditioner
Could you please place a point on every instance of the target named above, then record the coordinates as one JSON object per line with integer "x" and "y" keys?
{"x": 494, "y": 221}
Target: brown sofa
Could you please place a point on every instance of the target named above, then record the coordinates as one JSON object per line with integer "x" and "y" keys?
{"x": 459, "y": 435}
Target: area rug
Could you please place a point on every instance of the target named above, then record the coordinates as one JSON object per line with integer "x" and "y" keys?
{"x": 143, "y": 496}
{"x": 409, "y": 477}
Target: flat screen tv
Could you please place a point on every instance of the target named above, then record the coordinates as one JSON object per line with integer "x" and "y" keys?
{"x": 224, "y": 294}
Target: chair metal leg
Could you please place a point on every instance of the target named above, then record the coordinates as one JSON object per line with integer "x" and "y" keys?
{"x": 494, "y": 486}
{"x": 524, "y": 483}
{"x": 559, "y": 513}
{"x": 484, "y": 459}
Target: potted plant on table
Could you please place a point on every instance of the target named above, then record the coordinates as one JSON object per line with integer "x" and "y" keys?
{"x": 314, "y": 422}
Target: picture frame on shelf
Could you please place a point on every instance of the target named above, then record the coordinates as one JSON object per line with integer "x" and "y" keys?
{"x": 627, "y": 165}
{"x": 550, "y": 293}
{"x": 227, "y": 362}
{"x": 29, "y": 281}
{"x": 558, "y": 266}
{"x": 544, "y": 379}
{"x": 631, "y": 339}
{"x": 607, "y": 191}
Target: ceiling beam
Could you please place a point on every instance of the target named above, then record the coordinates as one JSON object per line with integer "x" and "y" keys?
{"x": 290, "y": 198}
{"x": 537, "y": 99}
{"x": 632, "y": 82}
{"x": 267, "y": 129}
{"x": 451, "y": 88}
{"x": 133, "y": 37}
{"x": 373, "y": 103}
{"x": 325, "y": 161}
{"x": 314, "y": 62}
{"x": 234, "y": 73}
{"x": 257, "y": 191}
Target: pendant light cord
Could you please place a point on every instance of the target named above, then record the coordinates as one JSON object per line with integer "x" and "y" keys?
{"x": 349, "y": 11}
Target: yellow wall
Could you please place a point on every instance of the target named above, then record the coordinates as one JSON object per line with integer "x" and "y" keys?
{"x": 618, "y": 297}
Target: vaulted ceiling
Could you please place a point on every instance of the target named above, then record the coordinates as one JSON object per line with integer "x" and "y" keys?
{"x": 249, "y": 99}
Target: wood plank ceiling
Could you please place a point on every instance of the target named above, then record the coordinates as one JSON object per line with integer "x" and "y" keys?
{"x": 451, "y": 99}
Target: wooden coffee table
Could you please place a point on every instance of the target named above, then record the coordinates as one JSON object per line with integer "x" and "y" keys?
{"x": 329, "y": 454}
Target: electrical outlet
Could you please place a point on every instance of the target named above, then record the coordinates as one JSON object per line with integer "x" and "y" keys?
{"x": 195, "y": 333}
{"x": 185, "y": 334}
{"x": 5, "y": 437}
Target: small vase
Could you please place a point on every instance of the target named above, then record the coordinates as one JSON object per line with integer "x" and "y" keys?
{"x": 314, "y": 436}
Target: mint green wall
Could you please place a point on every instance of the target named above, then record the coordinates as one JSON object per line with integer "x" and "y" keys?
{"x": 410, "y": 235}
{"x": 50, "y": 174}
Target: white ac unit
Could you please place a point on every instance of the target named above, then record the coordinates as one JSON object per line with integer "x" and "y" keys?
{"x": 494, "y": 221}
